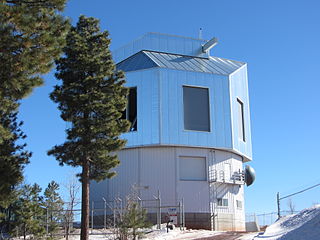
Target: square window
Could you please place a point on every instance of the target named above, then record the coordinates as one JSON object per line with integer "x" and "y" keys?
{"x": 222, "y": 202}
{"x": 196, "y": 108}
{"x": 192, "y": 168}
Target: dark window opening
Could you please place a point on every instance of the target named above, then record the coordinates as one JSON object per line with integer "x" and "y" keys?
{"x": 239, "y": 204}
{"x": 222, "y": 202}
{"x": 196, "y": 108}
{"x": 242, "y": 135}
{"x": 130, "y": 113}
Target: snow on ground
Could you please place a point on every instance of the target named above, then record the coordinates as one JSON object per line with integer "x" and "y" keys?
{"x": 301, "y": 226}
{"x": 176, "y": 234}
{"x": 100, "y": 234}
{"x": 248, "y": 236}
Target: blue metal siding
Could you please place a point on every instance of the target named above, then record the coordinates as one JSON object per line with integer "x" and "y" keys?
{"x": 147, "y": 107}
{"x": 173, "y": 133}
{"x": 160, "y": 94}
{"x": 239, "y": 89}
{"x": 162, "y": 43}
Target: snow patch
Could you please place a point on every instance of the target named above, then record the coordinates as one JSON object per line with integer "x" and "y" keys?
{"x": 301, "y": 226}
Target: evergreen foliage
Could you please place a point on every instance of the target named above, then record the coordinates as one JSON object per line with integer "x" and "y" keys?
{"x": 28, "y": 211}
{"x": 54, "y": 207}
{"x": 32, "y": 35}
{"x": 13, "y": 158}
{"x": 134, "y": 219}
{"x": 91, "y": 97}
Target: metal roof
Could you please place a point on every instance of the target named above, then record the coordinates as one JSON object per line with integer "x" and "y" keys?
{"x": 150, "y": 59}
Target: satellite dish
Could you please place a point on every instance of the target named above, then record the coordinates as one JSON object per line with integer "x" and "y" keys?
{"x": 250, "y": 175}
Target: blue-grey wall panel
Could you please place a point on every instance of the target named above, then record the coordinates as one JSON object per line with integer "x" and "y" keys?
{"x": 162, "y": 43}
{"x": 172, "y": 118}
{"x": 147, "y": 82}
{"x": 239, "y": 90}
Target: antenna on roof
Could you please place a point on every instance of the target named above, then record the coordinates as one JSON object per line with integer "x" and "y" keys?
{"x": 210, "y": 44}
{"x": 200, "y": 33}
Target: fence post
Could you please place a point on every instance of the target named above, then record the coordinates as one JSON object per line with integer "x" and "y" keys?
{"x": 159, "y": 211}
{"x": 92, "y": 211}
{"x": 105, "y": 213}
{"x": 47, "y": 224}
{"x": 180, "y": 215}
{"x": 183, "y": 216}
{"x": 278, "y": 203}
{"x": 114, "y": 213}
{"x": 121, "y": 209}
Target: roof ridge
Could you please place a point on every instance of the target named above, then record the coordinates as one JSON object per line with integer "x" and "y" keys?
{"x": 207, "y": 58}
{"x": 145, "y": 59}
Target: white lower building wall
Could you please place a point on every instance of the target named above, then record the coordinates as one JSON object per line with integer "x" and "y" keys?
{"x": 152, "y": 170}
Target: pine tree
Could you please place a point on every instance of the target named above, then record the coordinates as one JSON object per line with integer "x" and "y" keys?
{"x": 32, "y": 34}
{"x": 91, "y": 97}
{"x": 54, "y": 207}
{"x": 134, "y": 219}
{"x": 13, "y": 158}
{"x": 29, "y": 215}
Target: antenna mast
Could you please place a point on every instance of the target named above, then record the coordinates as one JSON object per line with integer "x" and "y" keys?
{"x": 200, "y": 33}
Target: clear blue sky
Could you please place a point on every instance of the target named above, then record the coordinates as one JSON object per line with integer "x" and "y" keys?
{"x": 280, "y": 42}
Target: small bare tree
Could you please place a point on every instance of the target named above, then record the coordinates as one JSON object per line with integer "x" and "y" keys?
{"x": 73, "y": 188}
{"x": 291, "y": 206}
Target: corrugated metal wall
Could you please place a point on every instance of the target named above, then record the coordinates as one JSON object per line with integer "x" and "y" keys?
{"x": 160, "y": 103}
{"x": 195, "y": 193}
{"x": 239, "y": 89}
{"x": 158, "y": 172}
{"x": 227, "y": 217}
{"x": 172, "y": 119}
{"x": 151, "y": 160}
{"x": 225, "y": 190}
{"x": 160, "y": 109}
{"x": 147, "y": 83}
{"x": 121, "y": 184}
{"x": 157, "y": 168}
{"x": 162, "y": 43}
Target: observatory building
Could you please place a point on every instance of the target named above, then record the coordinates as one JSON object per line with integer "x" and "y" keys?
{"x": 190, "y": 134}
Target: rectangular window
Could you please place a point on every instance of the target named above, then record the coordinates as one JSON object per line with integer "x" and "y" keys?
{"x": 222, "y": 202}
{"x": 239, "y": 204}
{"x": 131, "y": 111}
{"x": 241, "y": 120}
{"x": 196, "y": 108}
{"x": 192, "y": 168}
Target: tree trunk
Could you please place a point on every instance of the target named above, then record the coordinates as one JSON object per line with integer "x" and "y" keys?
{"x": 85, "y": 201}
{"x": 24, "y": 232}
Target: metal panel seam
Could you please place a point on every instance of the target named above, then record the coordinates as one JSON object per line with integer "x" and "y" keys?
{"x": 160, "y": 106}
{"x": 176, "y": 174}
{"x": 231, "y": 112}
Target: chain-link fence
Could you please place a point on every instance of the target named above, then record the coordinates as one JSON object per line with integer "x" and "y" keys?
{"x": 106, "y": 217}
{"x": 266, "y": 219}
{"x": 108, "y": 214}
